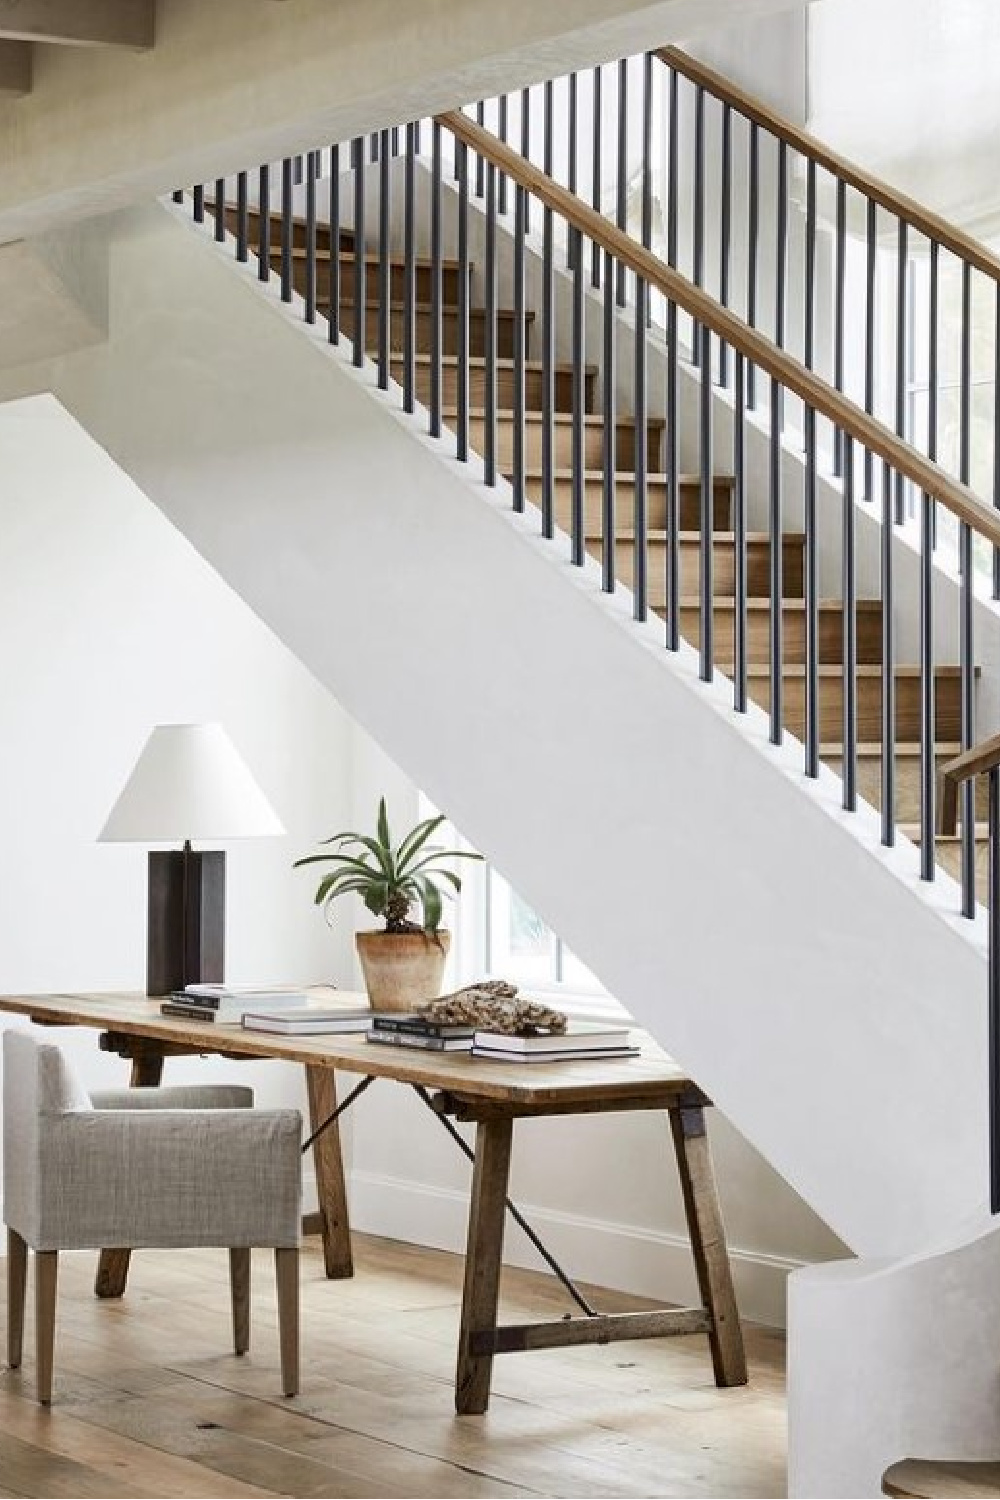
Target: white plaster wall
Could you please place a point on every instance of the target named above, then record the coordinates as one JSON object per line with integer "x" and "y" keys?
{"x": 751, "y": 917}
{"x": 111, "y": 622}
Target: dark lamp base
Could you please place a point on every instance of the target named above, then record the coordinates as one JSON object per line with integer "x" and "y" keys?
{"x": 186, "y": 926}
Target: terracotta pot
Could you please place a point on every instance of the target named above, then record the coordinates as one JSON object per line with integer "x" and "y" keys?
{"x": 402, "y": 968}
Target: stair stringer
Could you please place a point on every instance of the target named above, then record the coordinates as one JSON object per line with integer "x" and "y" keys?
{"x": 797, "y": 969}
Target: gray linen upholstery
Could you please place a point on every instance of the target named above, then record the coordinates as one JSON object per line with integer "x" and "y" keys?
{"x": 178, "y": 1096}
{"x": 128, "y": 1171}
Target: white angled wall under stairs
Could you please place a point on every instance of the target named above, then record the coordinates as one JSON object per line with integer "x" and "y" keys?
{"x": 799, "y": 971}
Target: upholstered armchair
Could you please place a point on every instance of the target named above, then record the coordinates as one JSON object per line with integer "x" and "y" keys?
{"x": 137, "y": 1168}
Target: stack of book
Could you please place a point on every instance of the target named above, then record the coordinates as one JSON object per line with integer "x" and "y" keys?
{"x": 582, "y": 1040}
{"x": 414, "y": 1030}
{"x": 226, "y": 1005}
{"x": 308, "y": 1020}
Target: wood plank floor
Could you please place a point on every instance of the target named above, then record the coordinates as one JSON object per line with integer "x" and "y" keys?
{"x": 150, "y": 1401}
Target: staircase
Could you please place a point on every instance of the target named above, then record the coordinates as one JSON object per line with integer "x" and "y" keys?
{"x": 868, "y": 673}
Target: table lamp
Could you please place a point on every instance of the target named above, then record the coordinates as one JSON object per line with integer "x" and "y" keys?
{"x": 190, "y": 782}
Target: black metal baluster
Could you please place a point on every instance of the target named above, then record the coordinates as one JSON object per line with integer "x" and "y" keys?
{"x": 178, "y": 195}
{"x": 775, "y": 632}
{"x": 673, "y": 167}
{"x": 333, "y": 308}
{"x": 849, "y": 645}
{"x": 548, "y": 345}
{"x": 993, "y": 1024}
{"x": 888, "y": 666}
{"x": 311, "y": 172}
{"x": 437, "y": 299}
{"x": 572, "y": 151}
{"x": 753, "y": 239}
{"x": 480, "y": 163}
{"x": 579, "y": 375}
{"x": 725, "y": 230}
{"x": 359, "y": 290}
{"x": 901, "y": 322}
{"x": 462, "y": 165}
{"x": 384, "y": 284}
{"x": 490, "y": 340}
{"x": 595, "y": 198}
{"x": 198, "y": 195}
{"x": 520, "y": 225}
{"x": 673, "y": 477}
{"x": 410, "y": 270}
{"x": 609, "y": 520}
{"x": 706, "y": 586}
{"x": 526, "y": 147}
{"x": 739, "y": 538}
{"x": 928, "y": 769}
{"x": 698, "y": 212}
{"x": 242, "y": 218}
{"x": 287, "y": 281}
{"x": 966, "y": 631}
{"x": 809, "y": 313}
{"x": 932, "y": 373}
{"x": 220, "y": 209}
{"x": 264, "y": 224}
{"x": 840, "y": 277}
{"x": 640, "y": 465}
{"x": 646, "y": 224}
{"x": 548, "y": 134}
{"x": 781, "y": 268}
{"x": 502, "y": 128}
{"x": 621, "y": 185}
{"x": 811, "y": 591}
{"x": 871, "y": 250}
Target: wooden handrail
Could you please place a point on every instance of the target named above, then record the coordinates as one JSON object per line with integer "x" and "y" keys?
{"x": 922, "y": 219}
{"x": 759, "y": 350}
{"x": 975, "y": 762}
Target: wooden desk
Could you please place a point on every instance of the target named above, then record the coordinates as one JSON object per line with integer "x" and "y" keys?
{"x": 491, "y": 1094}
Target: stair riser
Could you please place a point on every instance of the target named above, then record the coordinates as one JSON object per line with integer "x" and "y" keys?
{"x": 949, "y": 857}
{"x": 423, "y": 280}
{"x": 593, "y": 501}
{"x": 907, "y": 781}
{"x": 533, "y": 389}
{"x": 422, "y": 329}
{"x": 793, "y": 635}
{"x": 723, "y": 567}
{"x": 298, "y": 232}
{"x": 562, "y": 443}
{"x": 869, "y": 719}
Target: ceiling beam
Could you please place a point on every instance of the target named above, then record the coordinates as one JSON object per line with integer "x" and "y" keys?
{"x": 15, "y": 70}
{"x": 78, "y": 23}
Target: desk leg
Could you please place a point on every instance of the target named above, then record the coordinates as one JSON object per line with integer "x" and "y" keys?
{"x": 708, "y": 1242}
{"x": 112, "y": 1268}
{"x": 483, "y": 1257}
{"x": 321, "y": 1087}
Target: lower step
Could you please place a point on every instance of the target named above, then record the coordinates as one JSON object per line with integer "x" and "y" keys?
{"x": 947, "y": 700}
{"x": 906, "y": 778}
{"x": 948, "y": 1479}
{"x": 793, "y": 629}
{"x": 758, "y": 561}
{"x": 948, "y": 848}
{"x": 624, "y": 501}
{"x": 562, "y": 439}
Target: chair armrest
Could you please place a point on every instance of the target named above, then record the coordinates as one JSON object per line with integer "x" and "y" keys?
{"x": 167, "y": 1177}
{"x": 183, "y": 1096}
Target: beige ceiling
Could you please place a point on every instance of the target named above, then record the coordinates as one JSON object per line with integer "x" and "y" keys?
{"x": 28, "y": 24}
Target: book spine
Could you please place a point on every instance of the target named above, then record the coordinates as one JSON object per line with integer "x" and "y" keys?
{"x": 201, "y": 1002}
{"x": 408, "y": 1028}
{"x": 407, "y": 1039}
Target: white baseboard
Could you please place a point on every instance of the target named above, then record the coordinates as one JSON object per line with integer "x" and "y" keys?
{"x": 648, "y": 1262}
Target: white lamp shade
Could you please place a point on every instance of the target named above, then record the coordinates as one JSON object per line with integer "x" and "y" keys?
{"x": 190, "y": 782}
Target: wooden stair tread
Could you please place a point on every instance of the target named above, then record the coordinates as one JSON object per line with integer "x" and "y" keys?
{"x": 559, "y": 418}
{"x": 478, "y": 362}
{"x": 660, "y": 534}
{"x": 873, "y": 750}
{"x": 621, "y": 475}
{"x": 398, "y": 305}
{"x": 912, "y": 831}
{"x": 835, "y": 669}
{"x": 371, "y": 258}
{"x": 941, "y": 1479}
{"x": 762, "y": 602}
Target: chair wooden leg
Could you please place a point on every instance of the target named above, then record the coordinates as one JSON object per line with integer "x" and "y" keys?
{"x": 17, "y": 1275}
{"x": 46, "y": 1268}
{"x": 286, "y": 1267}
{"x": 239, "y": 1285}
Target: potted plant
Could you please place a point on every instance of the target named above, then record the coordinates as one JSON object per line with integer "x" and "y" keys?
{"x": 403, "y": 962}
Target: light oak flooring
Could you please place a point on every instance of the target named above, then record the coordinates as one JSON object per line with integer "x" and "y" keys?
{"x": 149, "y": 1400}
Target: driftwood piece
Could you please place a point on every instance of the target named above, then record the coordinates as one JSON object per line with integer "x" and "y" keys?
{"x": 494, "y": 1005}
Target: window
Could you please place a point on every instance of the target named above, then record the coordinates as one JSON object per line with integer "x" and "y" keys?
{"x": 498, "y": 935}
